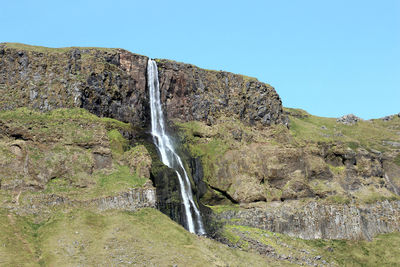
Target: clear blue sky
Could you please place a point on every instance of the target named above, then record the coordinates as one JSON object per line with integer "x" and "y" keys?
{"x": 330, "y": 57}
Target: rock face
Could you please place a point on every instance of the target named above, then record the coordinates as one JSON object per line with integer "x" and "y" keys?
{"x": 107, "y": 82}
{"x": 112, "y": 83}
{"x": 131, "y": 200}
{"x": 344, "y": 174}
{"x": 70, "y": 158}
{"x": 264, "y": 170}
{"x": 191, "y": 93}
{"x": 315, "y": 220}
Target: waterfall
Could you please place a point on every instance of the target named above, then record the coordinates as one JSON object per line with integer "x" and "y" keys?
{"x": 167, "y": 152}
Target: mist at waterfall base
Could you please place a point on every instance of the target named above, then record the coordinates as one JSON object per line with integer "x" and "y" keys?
{"x": 193, "y": 220}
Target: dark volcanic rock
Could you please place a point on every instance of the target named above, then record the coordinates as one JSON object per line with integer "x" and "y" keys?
{"x": 107, "y": 82}
{"x": 112, "y": 83}
{"x": 191, "y": 93}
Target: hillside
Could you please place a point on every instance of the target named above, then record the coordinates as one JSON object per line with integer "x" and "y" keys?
{"x": 81, "y": 181}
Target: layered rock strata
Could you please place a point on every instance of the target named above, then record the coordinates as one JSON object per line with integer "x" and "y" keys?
{"x": 316, "y": 220}
{"x": 112, "y": 83}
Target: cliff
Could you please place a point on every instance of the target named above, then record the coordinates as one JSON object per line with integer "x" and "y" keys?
{"x": 112, "y": 83}
{"x": 74, "y": 140}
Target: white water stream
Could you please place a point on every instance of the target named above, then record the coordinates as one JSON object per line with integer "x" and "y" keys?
{"x": 168, "y": 155}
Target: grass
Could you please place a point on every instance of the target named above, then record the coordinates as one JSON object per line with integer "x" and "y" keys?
{"x": 119, "y": 180}
{"x": 58, "y": 116}
{"x": 397, "y": 160}
{"x": 223, "y": 208}
{"x": 101, "y": 184}
{"x": 50, "y": 50}
{"x": 383, "y": 250}
{"x": 64, "y": 126}
{"x": 144, "y": 238}
{"x": 208, "y": 149}
{"x": 43, "y": 49}
{"x": 17, "y": 247}
{"x": 368, "y": 134}
{"x": 60, "y": 145}
{"x": 370, "y": 194}
{"x": 118, "y": 143}
{"x": 338, "y": 170}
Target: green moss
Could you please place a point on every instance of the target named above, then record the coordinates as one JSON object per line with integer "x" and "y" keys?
{"x": 118, "y": 143}
{"x": 338, "y": 199}
{"x": 353, "y": 145}
{"x": 338, "y": 170}
{"x": 119, "y": 179}
{"x": 397, "y": 160}
{"x": 371, "y": 194}
{"x": 100, "y": 184}
{"x": 209, "y": 150}
{"x": 223, "y": 208}
{"x": 58, "y": 116}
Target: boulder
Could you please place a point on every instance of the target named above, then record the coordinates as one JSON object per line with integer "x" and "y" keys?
{"x": 349, "y": 119}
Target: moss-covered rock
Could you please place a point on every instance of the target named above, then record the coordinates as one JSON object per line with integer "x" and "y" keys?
{"x": 68, "y": 152}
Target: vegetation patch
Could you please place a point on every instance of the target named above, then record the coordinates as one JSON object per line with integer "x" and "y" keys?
{"x": 383, "y": 250}
{"x": 86, "y": 238}
{"x": 222, "y": 208}
{"x": 118, "y": 143}
{"x": 370, "y": 134}
{"x": 99, "y": 184}
{"x": 397, "y": 160}
{"x": 338, "y": 170}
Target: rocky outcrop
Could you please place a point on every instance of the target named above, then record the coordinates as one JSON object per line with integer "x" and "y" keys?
{"x": 255, "y": 168}
{"x": 349, "y": 119}
{"x": 315, "y": 220}
{"x": 112, "y": 83}
{"x": 191, "y": 93}
{"x": 107, "y": 82}
{"x": 131, "y": 200}
{"x": 70, "y": 158}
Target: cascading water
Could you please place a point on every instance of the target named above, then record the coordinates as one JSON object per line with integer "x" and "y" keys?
{"x": 167, "y": 152}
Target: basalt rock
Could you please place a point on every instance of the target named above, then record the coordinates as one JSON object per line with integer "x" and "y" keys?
{"x": 316, "y": 220}
{"x": 191, "y": 93}
{"x": 131, "y": 200}
{"x": 107, "y": 82}
{"x": 112, "y": 83}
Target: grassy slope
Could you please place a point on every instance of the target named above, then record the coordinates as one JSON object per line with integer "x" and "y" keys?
{"x": 59, "y": 136}
{"x": 147, "y": 237}
{"x": 81, "y": 237}
{"x": 44, "y": 49}
{"x": 368, "y": 134}
{"x": 383, "y": 250}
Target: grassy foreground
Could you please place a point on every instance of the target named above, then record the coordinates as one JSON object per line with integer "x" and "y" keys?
{"x": 84, "y": 238}
{"x": 81, "y": 237}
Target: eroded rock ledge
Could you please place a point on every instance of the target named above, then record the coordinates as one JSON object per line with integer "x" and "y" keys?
{"x": 317, "y": 220}
{"x": 131, "y": 200}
